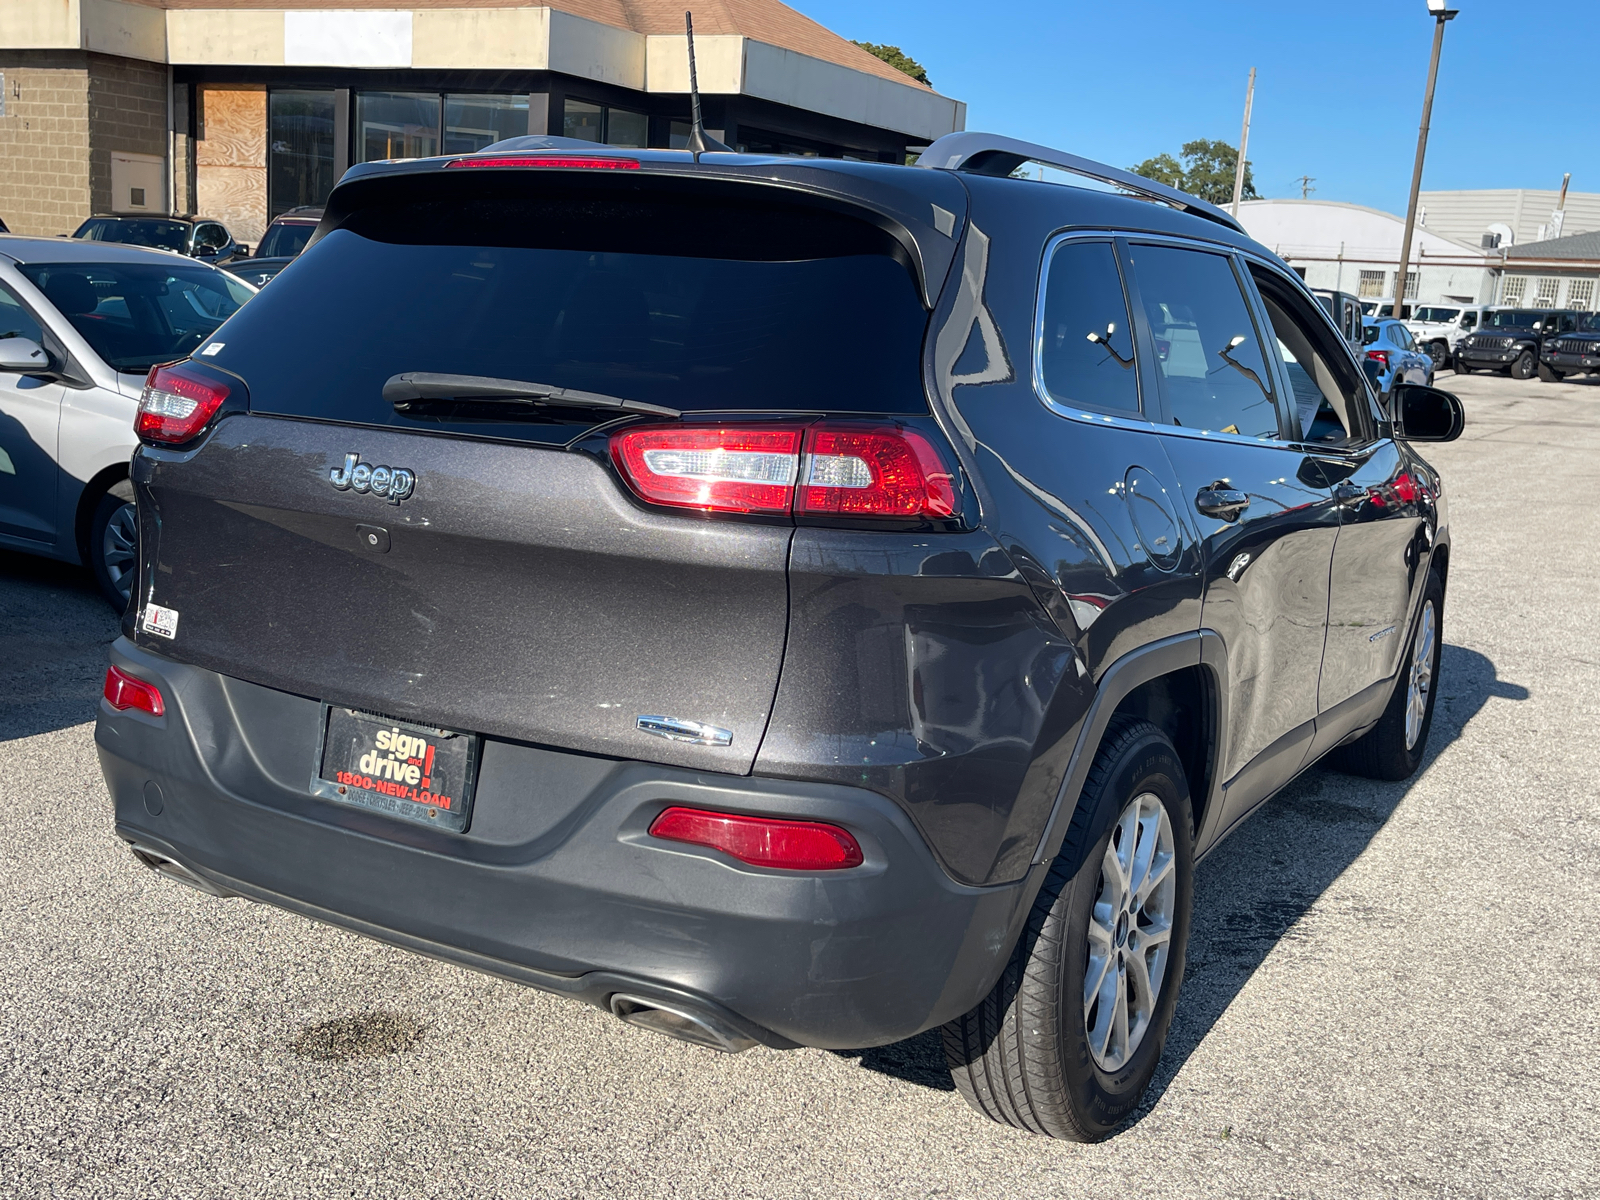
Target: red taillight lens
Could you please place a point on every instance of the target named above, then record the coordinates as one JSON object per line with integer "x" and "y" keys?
{"x": 1380, "y": 357}
{"x": 123, "y": 692}
{"x": 177, "y": 402}
{"x": 873, "y": 472}
{"x": 570, "y": 162}
{"x": 715, "y": 469}
{"x": 839, "y": 469}
{"x": 762, "y": 841}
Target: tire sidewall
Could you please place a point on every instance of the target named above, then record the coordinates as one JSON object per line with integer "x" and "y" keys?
{"x": 1434, "y": 595}
{"x": 1104, "y": 1098}
{"x": 111, "y": 500}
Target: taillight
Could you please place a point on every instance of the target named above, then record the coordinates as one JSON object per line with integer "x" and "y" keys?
{"x": 177, "y": 403}
{"x": 570, "y": 162}
{"x": 762, "y": 841}
{"x": 873, "y": 472}
{"x": 829, "y": 469}
{"x": 715, "y": 469}
{"x": 123, "y": 691}
{"x": 1381, "y": 357}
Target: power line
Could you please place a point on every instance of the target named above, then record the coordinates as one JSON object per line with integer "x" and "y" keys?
{"x": 1305, "y": 182}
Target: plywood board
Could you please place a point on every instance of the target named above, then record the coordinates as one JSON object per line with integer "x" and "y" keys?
{"x": 231, "y": 158}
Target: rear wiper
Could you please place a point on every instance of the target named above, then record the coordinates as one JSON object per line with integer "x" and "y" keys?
{"x": 417, "y": 387}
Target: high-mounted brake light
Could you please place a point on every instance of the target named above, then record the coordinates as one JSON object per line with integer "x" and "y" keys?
{"x": 830, "y": 469}
{"x": 123, "y": 691}
{"x": 177, "y": 403}
{"x": 762, "y": 841}
{"x": 569, "y": 162}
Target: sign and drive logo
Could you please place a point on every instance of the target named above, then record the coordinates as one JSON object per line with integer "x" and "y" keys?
{"x": 394, "y": 484}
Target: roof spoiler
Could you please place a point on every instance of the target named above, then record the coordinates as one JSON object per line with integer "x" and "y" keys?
{"x": 992, "y": 154}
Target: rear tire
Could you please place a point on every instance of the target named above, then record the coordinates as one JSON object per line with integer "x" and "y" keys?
{"x": 114, "y": 544}
{"x": 1394, "y": 747}
{"x": 1050, "y": 1050}
{"x": 1524, "y": 366}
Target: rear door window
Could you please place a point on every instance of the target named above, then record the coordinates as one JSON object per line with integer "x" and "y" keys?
{"x": 1212, "y": 370}
{"x": 1086, "y": 337}
{"x": 710, "y": 308}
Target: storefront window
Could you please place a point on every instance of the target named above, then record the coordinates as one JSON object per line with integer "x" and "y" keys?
{"x": 611, "y": 126}
{"x": 473, "y": 122}
{"x": 398, "y": 125}
{"x": 299, "y": 149}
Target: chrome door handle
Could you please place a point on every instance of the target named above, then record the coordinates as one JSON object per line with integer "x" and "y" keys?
{"x": 1348, "y": 494}
{"x": 1221, "y": 501}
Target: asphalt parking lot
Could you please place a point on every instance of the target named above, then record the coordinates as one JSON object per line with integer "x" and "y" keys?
{"x": 1394, "y": 989}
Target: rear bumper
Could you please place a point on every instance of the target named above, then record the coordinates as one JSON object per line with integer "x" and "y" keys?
{"x": 556, "y": 883}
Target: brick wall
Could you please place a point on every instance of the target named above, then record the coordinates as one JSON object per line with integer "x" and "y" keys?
{"x": 127, "y": 112}
{"x": 44, "y": 141}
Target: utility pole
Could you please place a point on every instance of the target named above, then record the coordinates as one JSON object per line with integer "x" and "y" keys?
{"x": 1441, "y": 14}
{"x": 1244, "y": 143}
{"x": 1558, "y": 217}
{"x": 1305, "y": 182}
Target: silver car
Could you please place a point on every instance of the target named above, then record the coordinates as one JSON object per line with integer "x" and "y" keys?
{"x": 81, "y": 324}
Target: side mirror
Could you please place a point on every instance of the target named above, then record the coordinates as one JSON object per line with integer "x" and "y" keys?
{"x": 23, "y": 355}
{"x": 1425, "y": 414}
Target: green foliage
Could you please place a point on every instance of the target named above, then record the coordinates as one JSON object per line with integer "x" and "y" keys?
{"x": 1206, "y": 171}
{"x": 898, "y": 59}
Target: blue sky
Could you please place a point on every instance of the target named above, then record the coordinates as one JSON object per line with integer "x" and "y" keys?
{"x": 1338, "y": 84}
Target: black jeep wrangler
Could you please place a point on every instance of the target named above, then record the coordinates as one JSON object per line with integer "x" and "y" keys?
{"x": 1510, "y": 340}
{"x": 1574, "y": 350}
{"x": 778, "y": 601}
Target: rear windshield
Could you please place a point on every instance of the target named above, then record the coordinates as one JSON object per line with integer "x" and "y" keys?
{"x": 1511, "y": 319}
{"x": 285, "y": 240}
{"x": 162, "y": 235}
{"x": 135, "y": 315}
{"x": 736, "y": 311}
{"x": 1369, "y": 334}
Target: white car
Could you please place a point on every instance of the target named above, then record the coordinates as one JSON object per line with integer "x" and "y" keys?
{"x": 1439, "y": 328}
{"x": 81, "y": 324}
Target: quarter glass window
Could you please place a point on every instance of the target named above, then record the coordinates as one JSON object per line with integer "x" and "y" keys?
{"x": 1086, "y": 359}
{"x": 1209, "y": 354}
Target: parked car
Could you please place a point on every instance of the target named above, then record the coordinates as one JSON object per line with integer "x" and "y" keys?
{"x": 1388, "y": 344}
{"x": 196, "y": 237}
{"x": 1574, "y": 350}
{"x": 1438, "y": 328}
{"x": 1345, "y": 310}
{"x": 797, "y": 621}
{"x": 284, "y": 239}
{"x": 1384, "y": 308}
{"x": 81, "y": 324}
{"x": 1510, "y": 340}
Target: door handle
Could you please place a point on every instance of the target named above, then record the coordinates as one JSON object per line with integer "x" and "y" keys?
{"x": 1349, "y": 495}
{"x": 1221, "y": 501}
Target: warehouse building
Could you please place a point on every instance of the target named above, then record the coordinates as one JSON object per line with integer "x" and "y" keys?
{"x": 241, "y": 109}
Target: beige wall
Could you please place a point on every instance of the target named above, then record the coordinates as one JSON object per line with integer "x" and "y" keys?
{"x": 230, "y": 158}
{"x": 44, "y": 141}
{"x": 39, "y": 24}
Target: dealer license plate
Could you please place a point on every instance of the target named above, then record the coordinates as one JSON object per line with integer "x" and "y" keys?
{"x": 410, "y": 771}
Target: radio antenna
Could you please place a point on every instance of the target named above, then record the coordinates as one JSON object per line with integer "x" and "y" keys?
{"x": 699, "y": 141}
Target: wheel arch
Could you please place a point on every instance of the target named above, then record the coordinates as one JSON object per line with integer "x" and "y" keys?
{"x": 101, "y": 482}
{"x": 1177, "y": 684}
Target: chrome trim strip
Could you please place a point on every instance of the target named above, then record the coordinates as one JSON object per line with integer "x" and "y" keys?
{"x": 676, "y": 729}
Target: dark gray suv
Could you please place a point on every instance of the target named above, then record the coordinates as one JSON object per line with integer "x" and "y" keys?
{"x": 778, "y": 601}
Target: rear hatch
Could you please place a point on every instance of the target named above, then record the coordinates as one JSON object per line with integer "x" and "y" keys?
{"x": 510, "y": 583}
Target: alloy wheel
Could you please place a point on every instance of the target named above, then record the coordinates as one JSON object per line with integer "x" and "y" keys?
{"x": 119, "y": 548}
{"x": 1420, "y": 682}
{"x": 1130, "y": 932}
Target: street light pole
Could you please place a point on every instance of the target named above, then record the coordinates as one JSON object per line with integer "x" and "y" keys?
{"x": 1441, "y": 14}
{"x": 1244, "y": 144}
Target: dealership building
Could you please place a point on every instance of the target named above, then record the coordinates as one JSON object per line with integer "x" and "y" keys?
{"x": 242, "y": 109}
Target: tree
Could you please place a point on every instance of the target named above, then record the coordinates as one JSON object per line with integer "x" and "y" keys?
{"x": 898, "y": 59}
{"x": 1206, "y": 171}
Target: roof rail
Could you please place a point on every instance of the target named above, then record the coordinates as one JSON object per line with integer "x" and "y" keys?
{"x": 992, "y": 154}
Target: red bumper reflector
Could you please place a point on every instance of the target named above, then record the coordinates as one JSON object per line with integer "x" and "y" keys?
{"x": 123, "y": 692}
{"x": 762, "y": 841}
{"x": 569, "y": 162}
{"x": 177, "y": 403}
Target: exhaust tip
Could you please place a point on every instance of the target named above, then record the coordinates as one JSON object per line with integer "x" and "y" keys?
{"x": 172, "y": 869}
{"x": 679, "y": 1021}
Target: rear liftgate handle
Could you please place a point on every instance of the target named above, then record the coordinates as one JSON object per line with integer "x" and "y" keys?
{"x": 1221, "y": 501}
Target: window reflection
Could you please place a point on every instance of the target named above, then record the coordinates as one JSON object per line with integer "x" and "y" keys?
{"x": 397, "y": 125}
